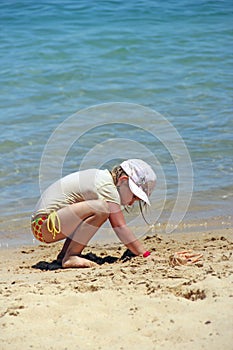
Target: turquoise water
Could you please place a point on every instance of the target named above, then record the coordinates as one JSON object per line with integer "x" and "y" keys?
{"x": 58, "y": 57}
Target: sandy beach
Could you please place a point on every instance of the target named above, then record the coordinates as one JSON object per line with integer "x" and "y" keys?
{"x": 125, "y": 303}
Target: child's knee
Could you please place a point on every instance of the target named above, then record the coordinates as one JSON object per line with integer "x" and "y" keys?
{"x": 102, "y": 209}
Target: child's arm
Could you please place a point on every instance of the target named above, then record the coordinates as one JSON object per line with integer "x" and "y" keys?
{"x": 124, "y": 233}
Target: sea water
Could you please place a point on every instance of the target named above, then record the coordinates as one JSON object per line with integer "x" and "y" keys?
{"x": 60, "y": 57}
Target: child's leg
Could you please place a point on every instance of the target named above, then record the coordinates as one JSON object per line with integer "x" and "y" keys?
{"x": 79, "y": 222}
{"x": 82, "y": 235}
{"x": 64, "y": 249}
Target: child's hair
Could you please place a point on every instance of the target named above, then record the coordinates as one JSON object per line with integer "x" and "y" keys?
{"x": 117, "y": 172}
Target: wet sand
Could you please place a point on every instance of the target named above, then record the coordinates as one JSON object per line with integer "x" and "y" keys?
{"x": 125, "y": 303}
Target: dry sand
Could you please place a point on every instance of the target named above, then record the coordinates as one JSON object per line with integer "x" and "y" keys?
{"x": 123, "y": 304}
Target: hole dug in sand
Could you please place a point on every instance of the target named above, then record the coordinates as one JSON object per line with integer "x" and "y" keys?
{"x": 192, "y": 294}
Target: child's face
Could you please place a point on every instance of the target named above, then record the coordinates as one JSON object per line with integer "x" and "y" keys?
{"x": 126, "y": 196}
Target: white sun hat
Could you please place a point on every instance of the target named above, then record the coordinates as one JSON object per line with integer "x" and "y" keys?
{"x": 142, "y": 179}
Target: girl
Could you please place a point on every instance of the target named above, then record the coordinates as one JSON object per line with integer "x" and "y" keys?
{"x": 77, "y": 205}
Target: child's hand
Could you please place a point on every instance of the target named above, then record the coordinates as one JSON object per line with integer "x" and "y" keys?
{"x": 127, "y": 255}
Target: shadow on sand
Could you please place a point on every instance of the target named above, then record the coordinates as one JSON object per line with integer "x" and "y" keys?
{"x": 56, "y": 265}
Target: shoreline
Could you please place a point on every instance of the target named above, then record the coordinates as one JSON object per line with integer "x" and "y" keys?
{"x": 122, "y": 304}
{"x": 16, "y": 233}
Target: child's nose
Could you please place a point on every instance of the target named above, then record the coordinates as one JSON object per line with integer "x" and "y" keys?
{"x": 135, "y": 198}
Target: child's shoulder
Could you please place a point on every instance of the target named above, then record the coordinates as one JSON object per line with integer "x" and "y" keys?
{"x": 104, "y": 175}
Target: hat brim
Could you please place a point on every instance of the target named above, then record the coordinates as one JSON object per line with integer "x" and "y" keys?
{"x": 138, "y": 192}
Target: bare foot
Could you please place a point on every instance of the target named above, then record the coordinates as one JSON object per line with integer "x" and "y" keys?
{"x": 77, "y": 261}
